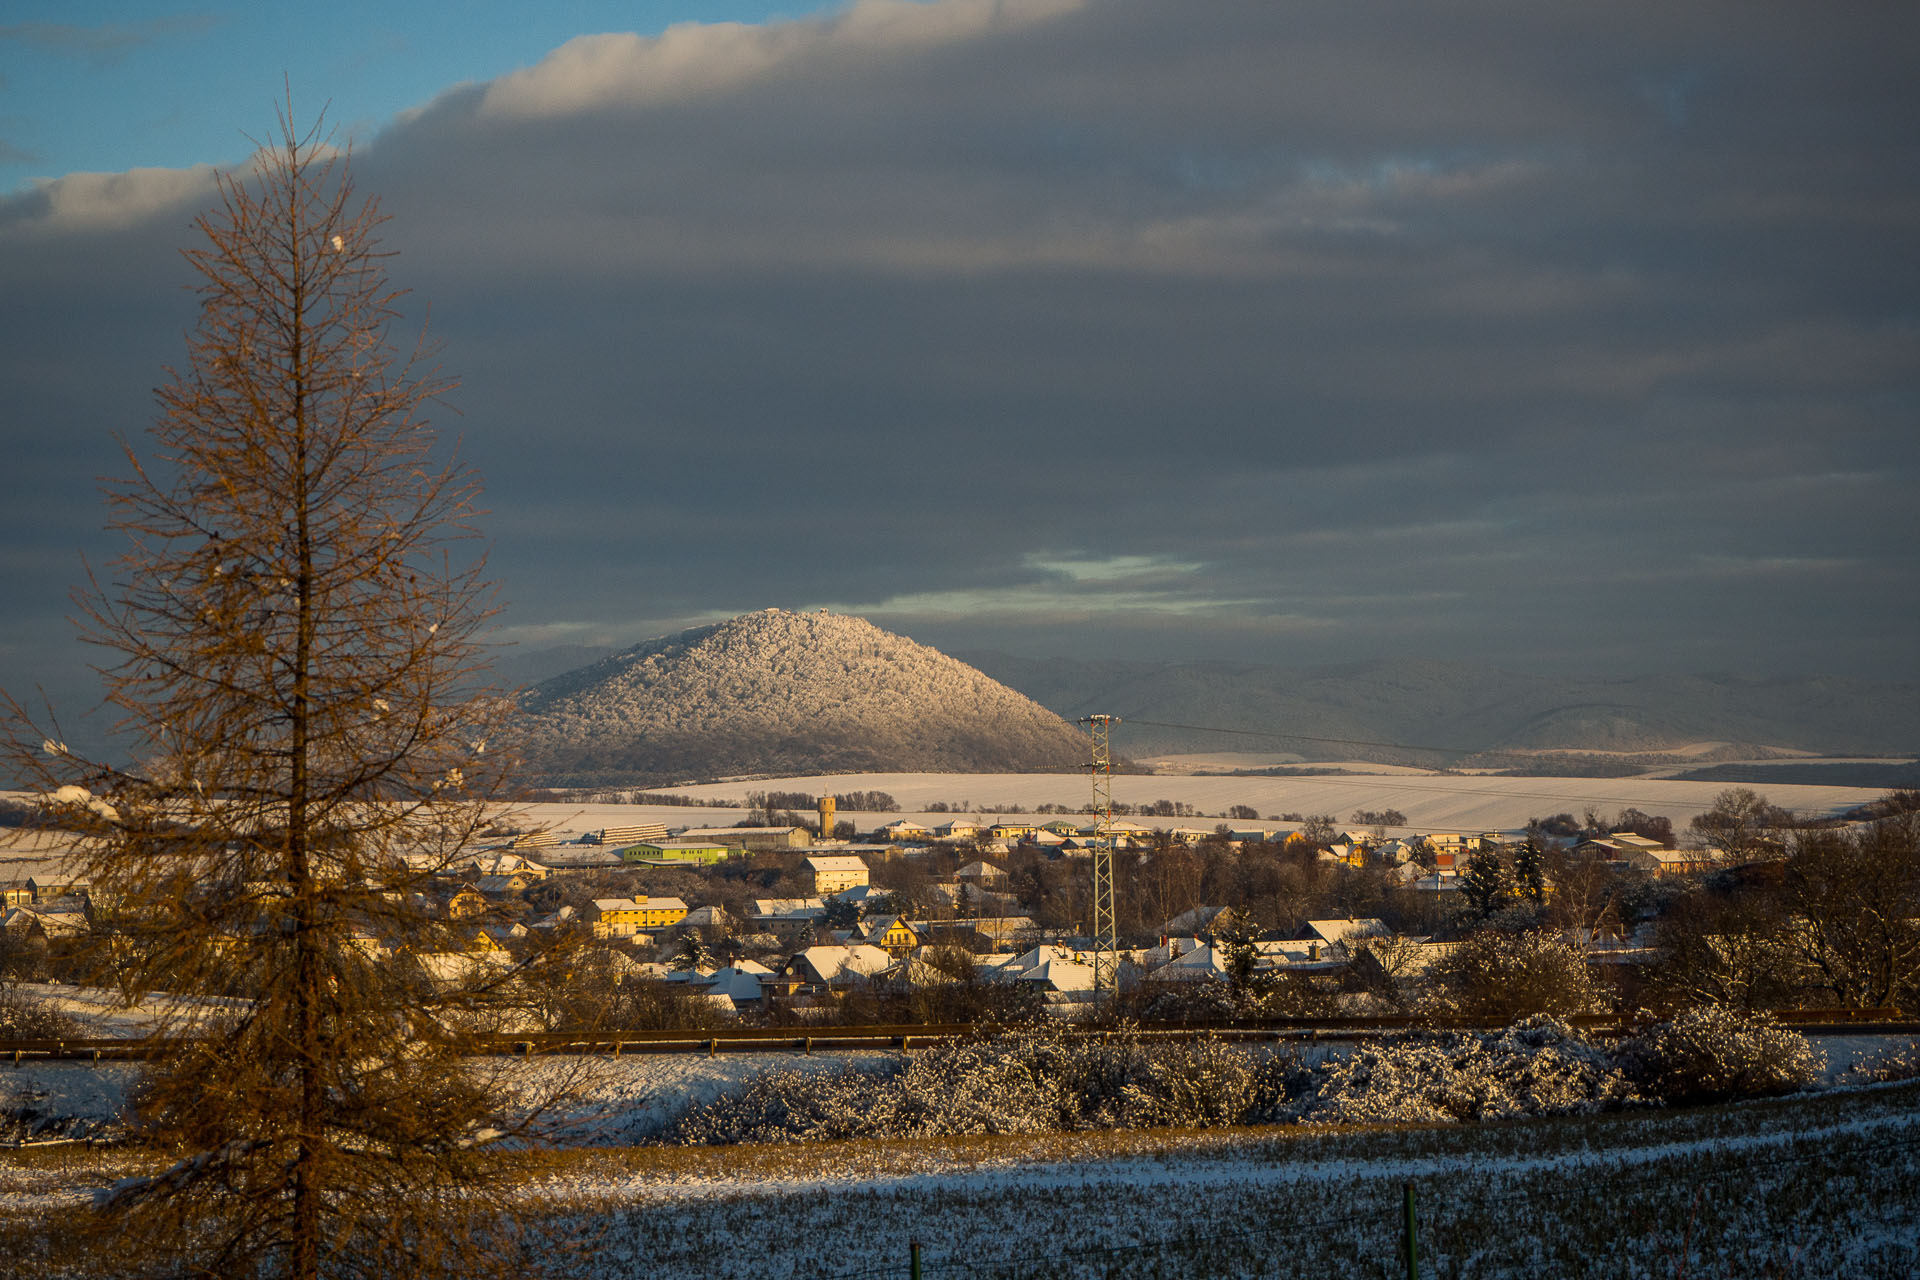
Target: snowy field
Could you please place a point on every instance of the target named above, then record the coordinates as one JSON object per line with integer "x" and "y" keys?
{"x": 1816, "y": 1186}
{"x": 1819, "y": 1184}
{"x": 1432, "y": 802}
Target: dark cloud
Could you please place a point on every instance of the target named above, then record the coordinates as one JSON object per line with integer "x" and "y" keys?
{"x": 1577, "y": 336}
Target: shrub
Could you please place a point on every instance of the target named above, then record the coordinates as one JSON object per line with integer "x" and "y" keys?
{"x": 1032, "y": 1080}
{"x": 1711, "y": 1053}
{"x": 1534, "y": 1068}
{"x": 22, "y": 1017}
{"x": 1506, "y": 976}
{"x": 1886, "y": 1067}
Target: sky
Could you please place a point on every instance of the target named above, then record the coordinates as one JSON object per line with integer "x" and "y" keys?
{"x": 1580, "y": 337}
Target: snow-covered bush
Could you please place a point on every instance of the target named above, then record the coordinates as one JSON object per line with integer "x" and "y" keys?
{"x": 1205, "y": 1084}
{"x": 1533, "y": 1068}
{"x": 792, "y": 1106}
{"x": 1033, "y": 1080}
{"x": 1888, "y": 1066}
{"x": 25, "y": 1017}
{"x": 1711, "y": 1053}
{"x": 1507, "y": 976}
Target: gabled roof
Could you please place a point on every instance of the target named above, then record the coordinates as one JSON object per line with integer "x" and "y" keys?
{"x": 836, "y": 862}
{"x": 1340, "y": 931}
{"x": 980, "y": 871}
{"x": 788, "y": 906}
{"x": 843, "y": 963}
{"x": 740, "y": 981}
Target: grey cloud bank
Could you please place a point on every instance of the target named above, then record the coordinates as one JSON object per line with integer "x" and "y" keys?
{"x": 1579, "y": 337}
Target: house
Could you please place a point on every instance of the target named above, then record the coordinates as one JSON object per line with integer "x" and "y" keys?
{"x": 903, "y": 829}
{"x": 465, "y": 903}
{"x": 706, "y": 918}
{"x": 446, "y": 969}
{"x": 1010, "y": 830}
{"x": 1346, "y": 933}
{"x": 741, "y": 983}
{"x": 507, "y": 886}
{"x": 833, "y": 872}
{"x": 48, "y": 921}
{"x": 981, "y": 933}
{"x": 1400, "y": 959}
{"x": 1671, "y": 862}
{"x": 1050, "y": 967}
{"x": 786, "y": 917}
{"x": 508, "y": 864}
{"x": 958, "y": 829}
{"x": 1212, "y": 921}
{"x": 836, "y": 968}
{"x": 47, "y": 887}
{"x": 893, "y": 935}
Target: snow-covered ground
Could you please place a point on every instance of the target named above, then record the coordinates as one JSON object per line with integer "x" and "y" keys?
{"x": 1818, "y": 1184}
{"x": 1431, "y": 802}
{"x": 1815, "y": 1186}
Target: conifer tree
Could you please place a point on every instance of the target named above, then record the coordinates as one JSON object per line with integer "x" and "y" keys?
{"x": 292, "y": 642}
{"x": 1529, "y": 870}
{"x": 1485, "y": 884}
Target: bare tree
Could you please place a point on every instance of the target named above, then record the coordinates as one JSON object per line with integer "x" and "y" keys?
{"x": 293, "y": 651}
{"x": 1742, "y": 825}
{"x": 1855, "y": 901}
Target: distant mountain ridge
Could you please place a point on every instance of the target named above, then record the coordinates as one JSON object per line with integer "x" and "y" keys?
{"x": 777, "y": 692}
{"x": 1463, "y": 707}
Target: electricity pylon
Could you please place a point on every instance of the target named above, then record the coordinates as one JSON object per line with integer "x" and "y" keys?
{"x": 1106, "y": 949}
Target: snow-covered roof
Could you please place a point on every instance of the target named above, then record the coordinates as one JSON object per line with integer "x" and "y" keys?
{"x": 836, "y": 862}
{"x": 788, "y": 906}
{"x": 737, "y": 982}
{"x": 843, "y": 963}
{"x": 1340, "y": 931}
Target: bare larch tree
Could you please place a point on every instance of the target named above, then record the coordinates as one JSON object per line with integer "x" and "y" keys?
{"x": 294, "y": 653}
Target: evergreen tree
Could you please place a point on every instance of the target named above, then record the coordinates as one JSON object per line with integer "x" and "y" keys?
{"x": 292, "y": 646}
{"x": 1485, "y": 884}
{"x": 1529, "y": 870}
{"x": 692, "y": 955}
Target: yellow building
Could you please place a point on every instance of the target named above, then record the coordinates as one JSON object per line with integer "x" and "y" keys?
{"x": 624, "y": 917}
{"x": 833, "y": 873}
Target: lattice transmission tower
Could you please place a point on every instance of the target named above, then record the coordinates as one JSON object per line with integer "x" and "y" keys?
{"x": 1106, "y": 949}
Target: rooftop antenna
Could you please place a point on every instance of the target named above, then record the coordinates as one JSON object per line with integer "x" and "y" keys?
{"x": 1106, "y": 950}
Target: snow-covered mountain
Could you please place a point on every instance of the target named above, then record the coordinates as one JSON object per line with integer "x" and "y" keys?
{"x": 779, "y": 692}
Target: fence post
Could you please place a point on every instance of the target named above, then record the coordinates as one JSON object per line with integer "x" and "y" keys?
{"x": 1411, "y": 1246}
{"x": 913, "y": 1259}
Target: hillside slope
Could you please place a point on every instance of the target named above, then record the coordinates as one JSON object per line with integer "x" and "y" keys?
{"x": 1464, "y": 707}
{"x": 780, "y": 692}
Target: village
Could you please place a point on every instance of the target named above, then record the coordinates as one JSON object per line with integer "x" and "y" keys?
{"x": 985, "y": 918}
